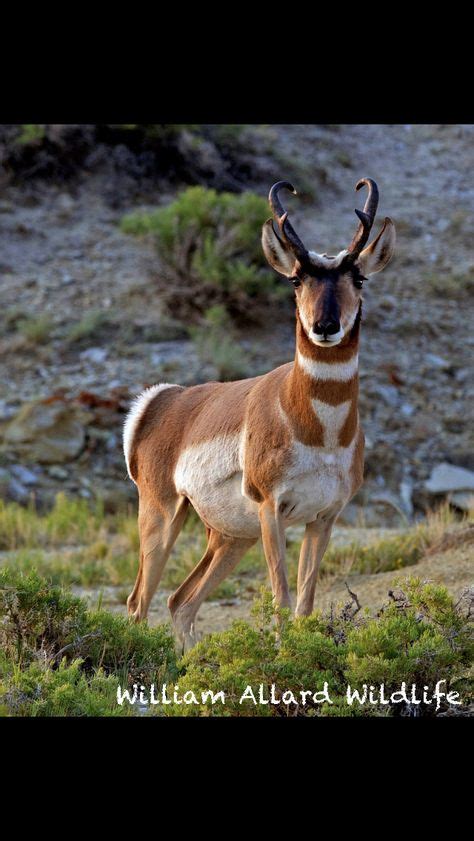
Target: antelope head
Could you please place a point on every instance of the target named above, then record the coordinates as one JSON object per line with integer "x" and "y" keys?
{"x": 328, "y": 289}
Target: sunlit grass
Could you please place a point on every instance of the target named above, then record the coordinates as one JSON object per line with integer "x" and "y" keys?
{"x": 393, "y": 552}
{"x": 77, "y": 543}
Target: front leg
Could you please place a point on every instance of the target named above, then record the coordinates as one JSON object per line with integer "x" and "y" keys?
{"x": 274, "y": 546}
{"x": 314, "y": 545}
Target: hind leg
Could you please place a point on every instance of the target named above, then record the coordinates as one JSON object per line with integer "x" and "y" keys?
{"x": 220, "y": 558}
{"x": 158, "y": 530}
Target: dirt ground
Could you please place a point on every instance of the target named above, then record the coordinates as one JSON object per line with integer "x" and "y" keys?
{"x": 453, "y": 568}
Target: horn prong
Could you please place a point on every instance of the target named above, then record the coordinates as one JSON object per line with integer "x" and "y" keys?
{"x": 366, "y": 216}
{"x": 280, "y": 215}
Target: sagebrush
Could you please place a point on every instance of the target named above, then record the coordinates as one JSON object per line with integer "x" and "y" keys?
{"x": 210, "y": 252}
{"x": 60, "y": 658}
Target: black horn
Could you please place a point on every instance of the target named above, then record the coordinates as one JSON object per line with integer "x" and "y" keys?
{"x": 286, "y": 231}
{"x": 366, "y": 216}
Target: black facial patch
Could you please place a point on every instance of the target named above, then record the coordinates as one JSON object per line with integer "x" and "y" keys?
{"x": 328, "y": 274}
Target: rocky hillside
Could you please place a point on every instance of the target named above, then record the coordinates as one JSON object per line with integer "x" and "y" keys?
{"x": 84, "y": 325}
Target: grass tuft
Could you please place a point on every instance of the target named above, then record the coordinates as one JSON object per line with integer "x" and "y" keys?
{"x": 37, "y": 329}
{"x": 87, "y": 326}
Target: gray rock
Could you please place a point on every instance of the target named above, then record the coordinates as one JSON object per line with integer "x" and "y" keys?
{"x": 462, "y": 375}
{"x": 463, "y": 500}
{"x": 49, "y": 433}
{"x": 388, "y": 393}
{"x": 24, "y": 475}
{"x": 11, "y": 488}
{"x": 407, "y": 410}
{"x": 437, "y": 361}
{"x": 7, "y": 411}
{"x": 95, "y": 354}
{"x": 17, "y": 491}
{"x": 57, "y": 472}
{"x": 447, "y": 477}
{"x": 386, "y": 497}
{"x": 406, "y": 492}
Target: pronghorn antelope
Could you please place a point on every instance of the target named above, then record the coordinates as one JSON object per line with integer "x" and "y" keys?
{"x": 257, "y": 455}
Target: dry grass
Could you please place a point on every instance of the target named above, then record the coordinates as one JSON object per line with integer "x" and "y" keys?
{"x": 77, "y": 544}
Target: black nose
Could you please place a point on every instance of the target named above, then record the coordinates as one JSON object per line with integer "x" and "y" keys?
{"x": 327, "y": 327}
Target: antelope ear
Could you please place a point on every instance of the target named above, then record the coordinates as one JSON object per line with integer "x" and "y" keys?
{"x": 375, "y": 257}
{"x": 278, "y": 255}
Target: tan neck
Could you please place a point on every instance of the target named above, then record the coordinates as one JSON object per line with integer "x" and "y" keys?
{"x": 323, "y": 383}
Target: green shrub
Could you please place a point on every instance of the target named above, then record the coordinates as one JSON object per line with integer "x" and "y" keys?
{"x": 209, "y": 243}
{"x": 420, "y": 637}
{"x": 39, "y": 619}
{"x": 36, "y": 616}
{"x": 58, "y": 658}
{"x": 444, "y": 284}
{"x": 30, "y": 133}
{"x": 65, "y": 691}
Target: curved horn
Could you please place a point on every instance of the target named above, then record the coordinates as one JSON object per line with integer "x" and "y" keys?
{"x": 287, "y": 232}
{"x": 366, "y": 216}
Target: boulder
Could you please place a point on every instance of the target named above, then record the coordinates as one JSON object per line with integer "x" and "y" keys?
{"x": 446, "y": 478}
{"x": 48, "y": 433}
{"x": 463, "y": 500}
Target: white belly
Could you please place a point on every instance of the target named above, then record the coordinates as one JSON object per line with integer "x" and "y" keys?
{"x": 210, "y": 476}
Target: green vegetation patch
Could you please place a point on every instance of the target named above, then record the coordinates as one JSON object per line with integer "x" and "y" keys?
{"x": 209, "y": 244}
{"x": 421, "y": 636}
{"x": 59, "y": 658}
{"x": 44, "y": 628}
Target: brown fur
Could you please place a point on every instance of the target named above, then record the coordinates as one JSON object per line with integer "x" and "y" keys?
{"x": 271, "y": 412}
{"x": 179, "y": 418}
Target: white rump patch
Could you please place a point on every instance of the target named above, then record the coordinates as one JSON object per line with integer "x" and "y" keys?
{"x": 134, "y": 415}
{"x": 340, "y": 371}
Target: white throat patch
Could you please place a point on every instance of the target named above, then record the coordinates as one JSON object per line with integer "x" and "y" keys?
{"x": 340, "y": 371}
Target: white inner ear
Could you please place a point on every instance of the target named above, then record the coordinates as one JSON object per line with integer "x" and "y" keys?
{"x": 280, "y": 259}
{"x": 375, "y": 257}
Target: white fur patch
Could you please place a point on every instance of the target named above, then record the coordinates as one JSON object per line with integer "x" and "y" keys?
{"x": 133, "y": 417}
{"x": 316, "y": 338}
{"x": 324, "y": 341}
{"x": 210, "y": 476}
{"x": 347, "y": 324}
{"x": 328, "y": 262}
{"x": 318, "y": 479}
{"x": 332, "y": 419}
{"x": 340, "y": 371}
{"x": 306, "y": 325}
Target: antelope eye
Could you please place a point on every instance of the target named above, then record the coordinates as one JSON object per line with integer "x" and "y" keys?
{"x": 359, "y": 282}
{"x": 296, "y": 281}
